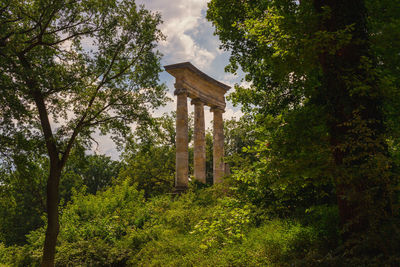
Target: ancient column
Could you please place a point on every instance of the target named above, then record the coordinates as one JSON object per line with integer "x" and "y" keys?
{"x": 193, "y": 83}
{"x": 182, "y": 138}
{"x": 218, "y": 145}
{"x": 199, "y": 141}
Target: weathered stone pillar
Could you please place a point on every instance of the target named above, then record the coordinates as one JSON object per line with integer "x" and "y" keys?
{"x": 218, "y": 145}
{"x": 182, "y": 138}
{"x": 199, "y": 141}
{"x": 193, "y": 83}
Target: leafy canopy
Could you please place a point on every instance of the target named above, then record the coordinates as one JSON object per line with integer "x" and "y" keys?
{"x": 92, "y": 64}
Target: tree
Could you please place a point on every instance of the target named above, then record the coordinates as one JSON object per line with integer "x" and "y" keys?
{"x": 22, "y": 198}
{"x": 69, "y": 68}
{"x": 23, "y": 188}
{"x": 149, "y": 157}
{"x": 317, "y": 63}
{"x": 96, "y": 172}
{"x": 351, "y": 93}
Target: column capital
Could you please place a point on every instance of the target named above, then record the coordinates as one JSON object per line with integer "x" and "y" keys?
{"x": 180, "y": 89}
{"x": 216, "y": 109}
{"x": 197, "y": 101}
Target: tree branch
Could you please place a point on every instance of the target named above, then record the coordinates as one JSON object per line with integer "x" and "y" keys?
{"x": 81, "y": 123}
{"x": 41, "y": 106}
{"x": 106, "y": 107}
{"x": 82, "y": 119}
{"x": 105, "y": 120}
{"x": 69, "y": 26}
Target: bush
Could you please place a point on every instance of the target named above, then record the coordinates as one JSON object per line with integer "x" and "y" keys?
{"x": 201, "y": 227}
{"x": 16, "y": 256}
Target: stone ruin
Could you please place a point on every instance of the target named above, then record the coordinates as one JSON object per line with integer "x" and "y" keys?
{"x": 204, "y": 91}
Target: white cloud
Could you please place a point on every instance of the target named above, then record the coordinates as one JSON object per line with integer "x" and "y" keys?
{"x": 229, "y": 79}
{"x": 232, "y": 113}
{"x": 105, "y": 146}
{"x": 184, "y": 23}
{"x": 170, "y": 106}
{"x": 245, "y": 84}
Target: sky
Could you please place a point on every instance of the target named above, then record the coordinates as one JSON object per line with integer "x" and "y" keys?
{"x": 189, "y": 37}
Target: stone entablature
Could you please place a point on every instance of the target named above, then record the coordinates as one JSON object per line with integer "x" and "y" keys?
{"x": 198, "y": 85}
{"x": 203, "y": 90}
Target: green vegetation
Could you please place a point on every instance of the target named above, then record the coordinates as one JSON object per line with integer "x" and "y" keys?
{"x": 201, "y": 227}
{"x": 315, "y": 159}
{"x": 79, "y": 64}
{"x": 324, "y": 102}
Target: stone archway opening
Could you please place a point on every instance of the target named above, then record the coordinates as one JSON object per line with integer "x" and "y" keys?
{"x": 203, "y": 90}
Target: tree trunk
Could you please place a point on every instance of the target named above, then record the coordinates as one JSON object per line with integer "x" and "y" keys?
{"x": 355, "y": 118}
{"x": 56, "y": 164}
{"x": 53, "y": 225}
{"x": 52, "y": 192}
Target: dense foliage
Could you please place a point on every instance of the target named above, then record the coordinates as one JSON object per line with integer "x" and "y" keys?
{"x": 68, "y": 68}
{"x": 23, "y": 190}
{"x": 323, "y": 98}
{"x": 318, "y": 95}
{"x": 201, "y": 227}
{"x": 315, "y": 160}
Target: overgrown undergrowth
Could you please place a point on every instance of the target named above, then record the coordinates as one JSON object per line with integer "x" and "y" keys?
{"x": 203, "y": 227}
